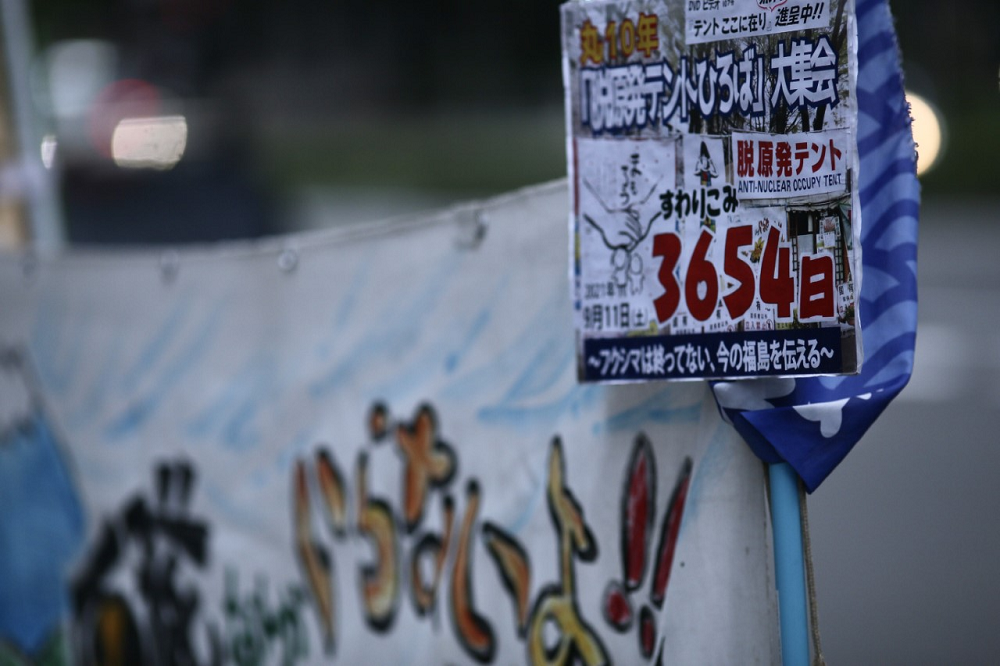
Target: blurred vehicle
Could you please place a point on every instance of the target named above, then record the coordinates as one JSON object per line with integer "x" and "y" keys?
{"x": 137, "y": 162}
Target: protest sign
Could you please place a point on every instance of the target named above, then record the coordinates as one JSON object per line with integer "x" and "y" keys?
{"x": 713, "y": 174}
{"x": 367, "y": 447}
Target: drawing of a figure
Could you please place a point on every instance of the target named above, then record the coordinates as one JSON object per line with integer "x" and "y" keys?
{"x": 705, "y": 167}
{"x": 622, "y": 226}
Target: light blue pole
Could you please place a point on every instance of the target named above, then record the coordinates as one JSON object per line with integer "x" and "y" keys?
{"x": 41, "y": 190}
{"x": 789, "y": 565}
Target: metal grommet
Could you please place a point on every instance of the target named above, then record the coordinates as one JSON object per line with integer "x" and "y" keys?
{"x": 288, "y": 260}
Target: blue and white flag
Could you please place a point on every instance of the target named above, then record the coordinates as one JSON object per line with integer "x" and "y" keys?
{"x": 812, "y": 423}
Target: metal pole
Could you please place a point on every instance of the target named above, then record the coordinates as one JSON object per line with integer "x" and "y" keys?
{"x": 37, "y": 182}
{"x": 789, "y": 565}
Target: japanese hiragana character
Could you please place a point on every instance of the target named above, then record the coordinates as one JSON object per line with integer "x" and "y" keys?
{"x": 667, "y": 204}
{"x": 775, "y": 350}
{"x": 683, "y": 203}
{"x": 750, "y": 82}
{"x": 713, "y": 211}
{"x": 556, "y": 605}
{"x": 729, "y": 202}
{"x": 736, "y": 356}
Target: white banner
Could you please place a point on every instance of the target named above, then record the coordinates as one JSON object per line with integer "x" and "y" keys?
{"x": 366, "y": 447}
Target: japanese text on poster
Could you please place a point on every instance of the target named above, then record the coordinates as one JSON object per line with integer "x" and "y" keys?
{"x": 712, "y": 153}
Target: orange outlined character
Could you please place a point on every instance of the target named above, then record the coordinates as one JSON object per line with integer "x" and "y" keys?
{"x": 435, "y": 547}
{"x": 577, "y": 640}
{"x": 474, "y": 633}
{"x": 590, "y": 44}
{"x": 380, "y": 580}
{"x": 331, "y": 487}
{"x": 314, "y": 560}
{"x": 429, "y": 462}
{"x": 647, "y": 34}
{"x": 515, "y": 570}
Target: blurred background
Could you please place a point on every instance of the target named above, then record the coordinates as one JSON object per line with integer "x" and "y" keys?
{"x": 266, "y": 118}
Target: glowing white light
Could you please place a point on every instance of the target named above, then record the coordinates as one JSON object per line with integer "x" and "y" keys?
{"x": 928, "y": 132}
{"x": 149, "y": 143}
{"x": 48, "y": 149}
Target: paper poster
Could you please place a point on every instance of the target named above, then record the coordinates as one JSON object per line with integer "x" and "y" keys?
{"x": 712, "y": 151}
{"x": 359, "y": 447}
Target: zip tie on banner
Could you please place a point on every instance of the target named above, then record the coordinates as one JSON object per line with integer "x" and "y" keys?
{"x": 472, "y": 231}
{"x": 170, "y": 265}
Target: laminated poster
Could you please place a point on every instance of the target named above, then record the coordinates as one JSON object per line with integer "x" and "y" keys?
{"x": 714, "y": 211}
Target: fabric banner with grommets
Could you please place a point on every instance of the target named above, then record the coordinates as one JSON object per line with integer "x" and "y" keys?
{"x": 361, "y": 446}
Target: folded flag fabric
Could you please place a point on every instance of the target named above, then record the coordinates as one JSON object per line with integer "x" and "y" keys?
{"x": 813, "y": 423}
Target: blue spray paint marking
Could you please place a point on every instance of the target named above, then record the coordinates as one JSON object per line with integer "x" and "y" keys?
{"x": 231, "y": 416}
{"x": 661, "y": 407}
{"x": 536, "y": 335}
{"x": 544, "y": 369}
{"x": 347, "y": 306}
{"x": 479, "y": 324}
{"x": 57, "y": 366}
{"x": 138, "y": 413}
{"x": 406, "y": 383}
{"x": 528, "y": 418}
{"x": 397, "y": 328}
{"x": 98, "y": 393}
{"x": 299, "y": 447}
{"x": 41, "y": 530}
{"x": 233, "y": 513}
{"x": 45, "y": 341}
{"x": 157, "y": 346}
{"x": 712, "y": 466}
{"x": 537, "y": 497}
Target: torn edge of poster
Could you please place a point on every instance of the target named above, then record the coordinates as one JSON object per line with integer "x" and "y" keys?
{"x": 714, "y": 212}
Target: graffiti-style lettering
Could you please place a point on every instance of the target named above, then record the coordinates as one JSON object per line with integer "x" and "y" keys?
{"x": 314, "y": 560}
{"x": 255, "y": 631}
{"x": 166, "y": 537}
{"x": 638, "y": 513}
{"x": 429, "y": 462}
{"x": 557, "y": 603}
{"x": 331, "y": 488}
{"x": 515, "y": 570}
{"x": 435, "y": 548}
{"x": 474, "y": 633}
{"x": 380, "y": 579}
{"x": 668, "y": 534}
